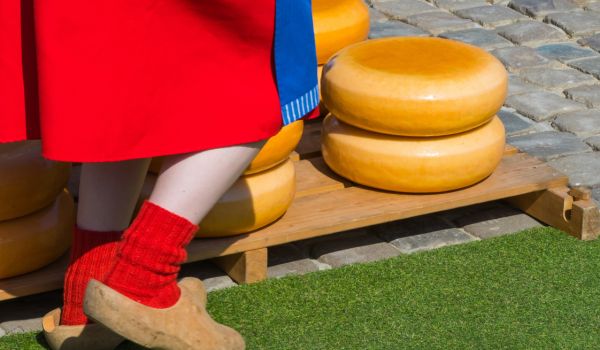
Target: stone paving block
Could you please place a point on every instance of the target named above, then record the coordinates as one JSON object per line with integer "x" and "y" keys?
{"x": 212, "y": 277}
{"x": 357, "y": 249}
{"x": 22, "y": 326}
{"x": 491, "y": 16}
{"x": 591, "y": 41}
{"x": 582, "y": 169}
{"x": 394, "y": 28}
{"x": 531, "y": 32}
{"x": 496, "y": 222}
{"x": 486, "y": 39}
{"x": 596, "y": 195}
{"x": 404, "y": 8}
{"x": 588, "y": 65}
{"x": 517, "y": 57}
{"x": 582, "y": 123}
{"x": 576, "y": 23}
{"x": 549, "y": 144}
{"x": 514, "y": 123}
{"x": 542, "y": 105}
{"x": 595, "y": 6}
{"x": 539, "y": 8}
{"x": 565, "y": 52}
{"x": 594, "y": 142}
{"x": 422, "y": 233}
{"x": 289, "y": 259}
{"x": 24, "y": 314}
{"x": 556, "y": 79}
{"x": 586, "y": 94}
{"x": 376, "y": 16}
{"x": 439, "y": 22}
{"x": 516, "y": 86}
{"x": 453, "y": 5}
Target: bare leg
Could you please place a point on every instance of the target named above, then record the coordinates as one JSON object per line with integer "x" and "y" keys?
{"x": 189, "y": 185}
{"x": 108, "y": 193}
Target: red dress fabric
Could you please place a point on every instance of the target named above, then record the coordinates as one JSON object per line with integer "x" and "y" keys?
{"x": 112, "y": 80}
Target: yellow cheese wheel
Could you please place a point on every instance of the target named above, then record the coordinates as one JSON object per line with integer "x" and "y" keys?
{"x": 322, "y": 109}
{"x": 414, "y": 86}
{"x": 252, "y": 202}
{"x": 412, "y": 164}
{"x": 28, "y": 182}
{"x": 278, "y": 148}
{"x": 337, "y": 24}
{"x": 33, "y": 241}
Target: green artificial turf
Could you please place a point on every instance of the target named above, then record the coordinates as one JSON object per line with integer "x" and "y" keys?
{"x": 538, "y": 289}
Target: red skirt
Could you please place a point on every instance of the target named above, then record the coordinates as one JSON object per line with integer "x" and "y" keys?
{"x": 113, "y": 80}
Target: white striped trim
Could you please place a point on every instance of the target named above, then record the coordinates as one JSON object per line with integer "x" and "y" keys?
{"x": 301, "y": 106}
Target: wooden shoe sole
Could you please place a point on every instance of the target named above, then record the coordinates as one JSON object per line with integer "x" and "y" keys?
{"x": 183, "y": 326}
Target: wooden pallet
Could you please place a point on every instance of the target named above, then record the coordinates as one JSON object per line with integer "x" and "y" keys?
{"x": 524, "y": 181}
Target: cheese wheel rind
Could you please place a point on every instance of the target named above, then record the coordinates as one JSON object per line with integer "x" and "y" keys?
{"x": 338, "y": 24}
{"x": 28, "y": 181}
{"x": 33, "y": 241}
{"x": 414, "y": 86}
{"x": 413, "y": 164}
{"x": 278, "y": 148}
{"x": 254, "y": 201}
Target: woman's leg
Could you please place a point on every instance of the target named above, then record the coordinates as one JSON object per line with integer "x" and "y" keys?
{"x": 153, "y": 247}
{"x": 108, "y": 194}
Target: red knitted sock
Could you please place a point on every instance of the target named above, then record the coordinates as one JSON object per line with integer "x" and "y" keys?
{"x": 149, "y": 256}
{"x": 92, "y": 254}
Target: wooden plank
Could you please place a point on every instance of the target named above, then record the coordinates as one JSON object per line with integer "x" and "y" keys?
{"x": 557, "y": 208}
{"x": 354, "y": 207}
{"x": 43, "y": 280}
{"x": 246, "y": 267}
{"x": 313, "y": 176}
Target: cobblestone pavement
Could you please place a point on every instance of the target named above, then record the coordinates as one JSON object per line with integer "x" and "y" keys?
{"x": 551, "y": 49}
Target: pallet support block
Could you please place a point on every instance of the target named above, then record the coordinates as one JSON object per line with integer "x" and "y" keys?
{"x": 246, "y": 267}
{"x": 570, "y": 210}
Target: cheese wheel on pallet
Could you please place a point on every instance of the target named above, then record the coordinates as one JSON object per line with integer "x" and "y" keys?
{"x": 412, "y": 164}
{"x": 33, "y": 241}
{"x": 337, "y": 24}
{"x": 414, "y": 86}
{"x": 275, "y": 151}
{"x": 322, "y": 108}
{"x": 278, "y": 148}
{"x": 252, "y": 202}
{"x": 28, "y": 181}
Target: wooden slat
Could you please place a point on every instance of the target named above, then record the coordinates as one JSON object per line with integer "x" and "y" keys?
{"x": 313, "y": 176}
{"x": 559, "y": 208}
{"x": 46, "y": 279}
{"x": 246, "y": 267}
{"x": 318, "y": 212}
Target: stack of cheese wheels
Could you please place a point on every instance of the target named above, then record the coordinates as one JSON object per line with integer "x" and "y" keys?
{"x": 261, "y": 195}
{"x": 36, "y": 213}
{"x": 337, "y": 24}
{"x": 413, "y": 114}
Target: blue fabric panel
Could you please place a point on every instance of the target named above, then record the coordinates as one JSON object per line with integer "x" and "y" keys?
{"x": 295, "y": 58}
